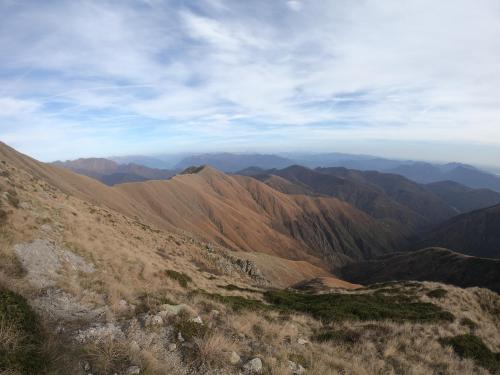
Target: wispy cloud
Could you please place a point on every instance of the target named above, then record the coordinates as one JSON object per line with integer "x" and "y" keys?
{"x": 165, "y": 75}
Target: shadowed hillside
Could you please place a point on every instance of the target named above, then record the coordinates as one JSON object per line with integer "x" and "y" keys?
{"x": 475, "y": 233}
{"x": 432, "y": 264}
{"x": 405, "y": 206}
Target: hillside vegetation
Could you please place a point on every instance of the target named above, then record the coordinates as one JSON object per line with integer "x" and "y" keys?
{"x": 95, "y": 290}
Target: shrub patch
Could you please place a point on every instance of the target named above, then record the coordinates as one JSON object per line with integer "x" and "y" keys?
{"x": 470, "y": 346}
{"x": 340, "y": 307}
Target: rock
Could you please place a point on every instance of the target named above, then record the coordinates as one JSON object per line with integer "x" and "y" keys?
{"x": 296, "y": 368}
{"x": 133, "y": 370}
{"x": 179, "y": 337}
{"x": 85, "y": 365}
{"x": 302, "y": 341}
{"x": 197, "y": 320}
{"x": 157, "y": 320}
{"x": 173, "y": 310}
{"x": 253, "y": 366}
{"x": 134, "y": 346}
{"x": 172, "y": 347}
{"x": 234, "y": 358}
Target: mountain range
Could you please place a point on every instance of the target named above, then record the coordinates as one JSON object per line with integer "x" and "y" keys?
{"x": 209, "y": 271}
{"x": 421, "y": 172}
{"x": 112, "y": 173}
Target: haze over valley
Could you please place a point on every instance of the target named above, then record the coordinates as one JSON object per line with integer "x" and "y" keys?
{"x": 257, "y": 187}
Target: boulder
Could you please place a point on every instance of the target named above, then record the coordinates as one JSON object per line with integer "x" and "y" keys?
{"x": 234, "y": 358}
{"x": 254, "y": 366}
{"x": 133, "y": 370}
{"x": 295, "y": 368}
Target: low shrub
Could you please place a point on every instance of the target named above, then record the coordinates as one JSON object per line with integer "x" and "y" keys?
{"x": 470, "y": 346}
{"x": 340, "y": 307}
{"x": 469, "y": 323}
{"x": 238, "y": 303}
{"x": 21, "y": 334}
{"x": 437, "y": 293}
{"x": 346, "y": 336}
{"x": 232, "y": 287}
{"x": 180, "y": 277}
{"x": 190, "y": 329}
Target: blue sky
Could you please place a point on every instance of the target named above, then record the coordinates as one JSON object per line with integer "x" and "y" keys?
{"x": 411, "y": 79}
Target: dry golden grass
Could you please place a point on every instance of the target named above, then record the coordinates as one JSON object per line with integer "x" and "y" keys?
{"x": 131, "y": 257}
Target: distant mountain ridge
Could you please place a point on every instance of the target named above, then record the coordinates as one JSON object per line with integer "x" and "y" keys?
{"x": 401, "y": 203}
{"x": 421, "y": 172}
{"x": 227, "y": 162}
{"x": 431, "y": 264}
{"x": 464, "y": 174}
{"x": 112, "y": 173}
{"x": 475, "y": 233}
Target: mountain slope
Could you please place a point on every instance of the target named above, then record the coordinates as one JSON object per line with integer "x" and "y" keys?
{"x": 407, "y": 193}
{"x": 244, "y": 213}
{"x": 475, "y": 233}
{"x": 404, "y": 205}
{"x": 228, "y": 162}
{"x": 463, "y": 174}
{"x": 112, "y": 173}
{"x": 462, "y": 198}
{"x": 239, "y": 212}
{"x": 431, "y": 264}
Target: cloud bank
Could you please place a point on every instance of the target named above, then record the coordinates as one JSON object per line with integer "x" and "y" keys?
{"x": 90, "y": 77}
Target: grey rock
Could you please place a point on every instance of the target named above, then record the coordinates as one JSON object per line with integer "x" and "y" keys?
{"x": 295, "y": 368}
{"x": 234, "y": 358}
{"x": 253, "y": 366}
{"x": 133, "y": 370}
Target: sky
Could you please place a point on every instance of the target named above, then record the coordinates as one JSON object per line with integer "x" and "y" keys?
{"x": 397, "y": 78}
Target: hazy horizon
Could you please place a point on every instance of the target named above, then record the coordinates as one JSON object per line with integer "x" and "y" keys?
{"x": 412, "y": 80}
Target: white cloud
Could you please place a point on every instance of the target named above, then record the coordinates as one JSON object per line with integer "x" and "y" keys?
{"x": 412, "y": 70}
{"x": 16, "y": 107}
{"x": 294, "y": 5}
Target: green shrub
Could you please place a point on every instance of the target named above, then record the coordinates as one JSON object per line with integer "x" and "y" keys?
{"x": 238, "y": 303}
{"x": 339, "y": 307}
{"x": 190, "y": 330}
{"x": 437, "y": 293}
{"x": 469, "y": 323}
{"x": 180, "y": 277}
{"x": 232, "y": 287}
{"x": 347, "y": 336}
{"x": 21, "y": 346}
{"x": 151, "y": 302}
{"x": 470, "y": 346}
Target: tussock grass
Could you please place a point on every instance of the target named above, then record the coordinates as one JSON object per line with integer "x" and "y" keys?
{"x": 180, "y": 277}
{"x": 108, "y": 356}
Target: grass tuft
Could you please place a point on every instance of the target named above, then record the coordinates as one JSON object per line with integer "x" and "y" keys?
{"x": 180, "y": 277}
